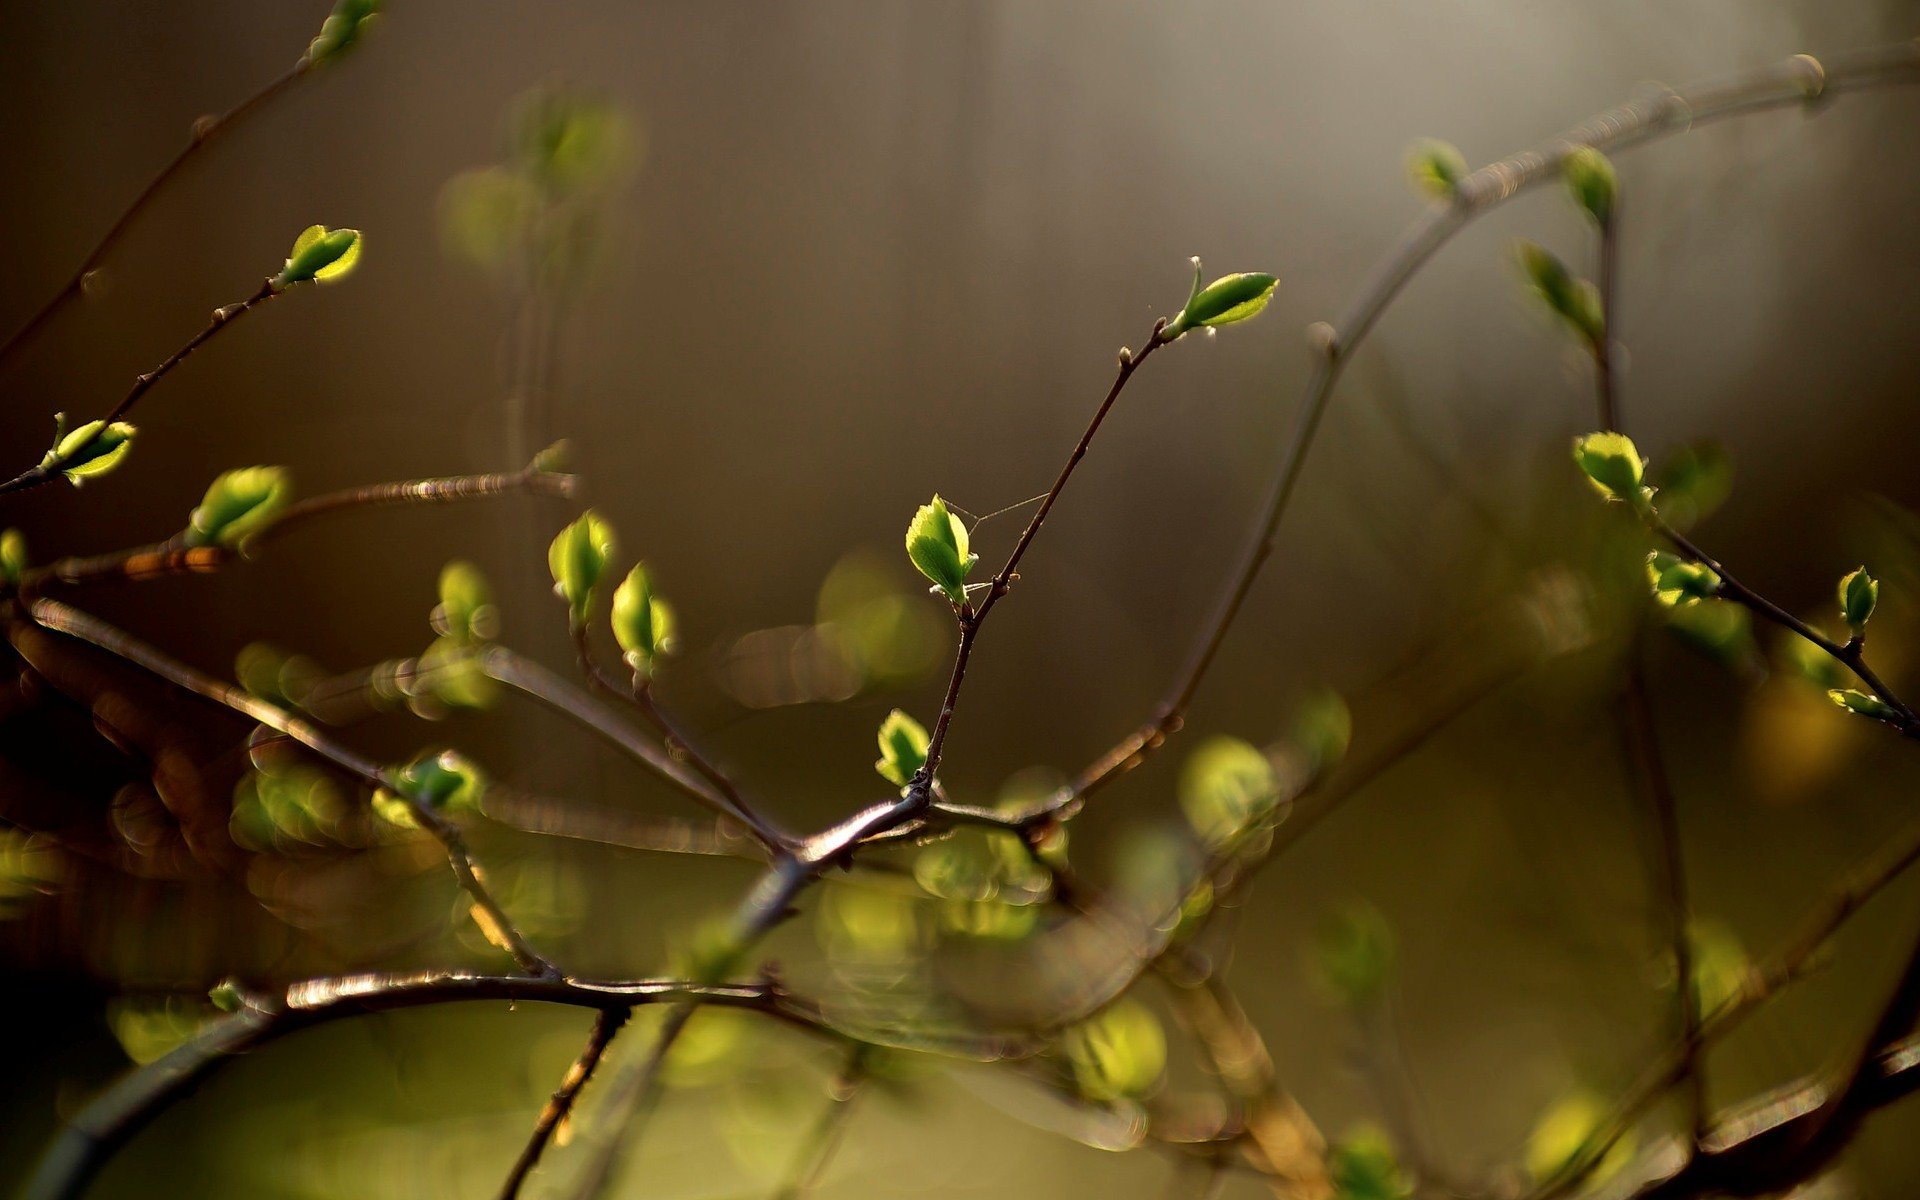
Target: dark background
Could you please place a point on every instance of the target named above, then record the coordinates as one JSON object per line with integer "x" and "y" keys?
{"x": 872, "y": 251}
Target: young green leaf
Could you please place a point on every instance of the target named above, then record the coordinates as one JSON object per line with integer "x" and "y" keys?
{"x": 1437, "y": 168}
{"x": 1574, "y": 301}
{"x": 444, "y": 782}
{"x": 238, "y": 505}
{"x": 1863, "y": 704}
{"x": 1364, "y": 1167}
{"x": 448, "y": 678}
{"x": 937, "y": 543}
{"x": 642, "y": 622}
{"x": 1591, "y": 179}
{"x": 1353, "y": 953}
{"x": 226, "y": 996}
{"x": 1676, "y": 581}
{"x": 1614, "y": 466}
{"x": 1858, "y": 592}
{"x": 342, "y": 30}
{"x": 1564, "y": 1135}
{"x": 903, "y": 748}
{"x": 13, "y": 556}
{"x": 319, "y": 255}
{"x": 91, "y": 450}
{"x": 1118, "y": 1054}
{"x": 1226, "y": 301}
{"x": 1226, "y": 786}
{"x": 466, "y": 612}
{"x": 577, "y": 558}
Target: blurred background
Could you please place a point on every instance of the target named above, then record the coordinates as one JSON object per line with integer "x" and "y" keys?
{"x": 815, "y": 263}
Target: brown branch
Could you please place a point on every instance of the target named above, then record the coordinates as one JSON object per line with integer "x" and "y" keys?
{"x": 488, "y": 913}
{"x": 204, "y": 131}
{"x": 605, "y": 1026}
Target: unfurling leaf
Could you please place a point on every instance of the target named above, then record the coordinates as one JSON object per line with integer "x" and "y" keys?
{"x": 642, "y": 622}
{"x": 1863, "y": 704}
{"x": 444, "y": 782}
{"x": 903, "y": 748}
{"x": 1117, "y": 1054}
{"x": 1364, "y": 1167}
{"x": 1564, "y": 1134}
{"x": 1574, "y": 301}
{"x": 226, "y": 996}
{"x": 466, "y": 612}
{"x": 937, "y": 542}
{"x": 578, "y": 558}
{"x": 1226, "y": 301}
{"x": 1612, "y": 464}
{"x": 1676, "y": 581}
{"x": 1591, "y": 179}
{"x": 1436, "y": 167}
{"x": 1226, "y": 787}
{"x": 342, "y": 30}
{"x": 448, "y": 677}
{"x": 13, "y": 556}
{"x": 1859, "y": 592}
{"x": 319, "y": 255}
{"x": 238, "y": 505}
{"x": 93, "y": 449}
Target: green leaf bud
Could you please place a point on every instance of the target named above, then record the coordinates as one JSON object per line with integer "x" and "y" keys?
{"x": 1226, "y": 301}
{"x": 903, "y": 748}
{"x": 448, "y": 677}
{"x": 1364, "y": 1167}
{"x": 91, "y": 450}
{"x": 1858, "y": 592}
{"x": 578, "y": 557}
{"x": 1437, "y": 168}
{"x": 1561, "y": 1137}
{"x": 342, "y": 30}
{"x": 466, "y": 612}
{"x": 1863, "y": 704}
{"x": 1676, "y": 581}
{"x": 1591, "y": 179}
{"x": 319, "y": 255}
{"x": 1226, "y": 787}
{"x": 444, "y": 782}
{"x": 937, "y": 542}
{"x": 13, "y": 556}
{"x": 1614, "y": 466}
{"x": 1353, "y": 953}
{"x": 1574, "y": 301}
{"x": 238, "y": 505}
{"x": 642, "y": 622}
{"x": 227, "y": 996}
{"x": 1118, "y": 1054}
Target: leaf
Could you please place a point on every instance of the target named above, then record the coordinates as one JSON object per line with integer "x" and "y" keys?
{"x": 1591, "y": 179}
{"x": 89, "y": 451}
{"x": 319, "y": 255}
{"x": 1226, "y": 301}
{"x": 1677, "y": 581}
{"x": 1863, "y": 704}
{"x": 342, "y": 30}
{"x": 1437, "y": 168}
{"x": 1858, "y": 592}
{"x": 1353, "y": 953}
{"x": 938, "y": 546}
{"x": 239, "y": 504}
{"x": 466, "y": 612}
{"x": 578, "y": 557}
{"x": 642, "y": 622}
{"x": 1614, "y": 466}
{"x": 1574, "y": 301}
{"x": 903, "y": 748}
{"x": 1226, "y": 786}
{"x": 1364, "y": 1167}
{"x": 1118, "y": 1054}
{"x": 1562, "y": 1135}
{"x": 445, "y": 782}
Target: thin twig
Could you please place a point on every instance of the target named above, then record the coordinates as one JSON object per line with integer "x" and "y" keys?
{"x": 204, "y": 132}
{"x": 605, "y": 1026}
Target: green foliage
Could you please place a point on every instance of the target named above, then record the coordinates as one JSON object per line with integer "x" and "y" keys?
{"x": 1677, "y": 581}
{"x": 89, "y": 451}
{"x": 1226, "y": 301}
{"x": 1594, "y": 186}
{"x": 1364, "y": 1167}
{"x": 1807, "y": 662}
{"x": 284, "y": 804}
{"x": 239, "y": 504}
{"x": 1321, "y": 731}
{"x": 567, "y": 140}
{"x": 342, "y": 30}
{"x": 1692, "y": 482}
{"x": 1863, "y": 704}
{"x": 642, "y": 622}
{"x": 989, "y": 885}
{"x": 903, "y": 748}
{"x": 319, "y": 255}
{"x": 938, "y": 546}
{"x": 1858, "y": 593}
{"x": 447, "y": 677}
{"x": 445, "y": 782}
{"x": 13, "y": 556}
{"x": 578, "y": 558}
{"x": 1353, "y": 952}
{"x": 1437, "y": 168}
{"x": 1574, "y": 301}
{"x": 1226, "y": 787}
{"x": 1614, "y": 467}
{"x": 1720, "y": 630}
{"x": 1563, "y": 1135}
{"x": 226, "y": 996}
{"x": 1118, "y": 1054}
{"x": 466, "y": 612}
{"x": 868, "y": 925}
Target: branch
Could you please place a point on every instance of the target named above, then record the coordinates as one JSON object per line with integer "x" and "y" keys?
{"x": 204, "y": 131}
{"x": 487, "y": 911}
{"x": 605, "y": 1026}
